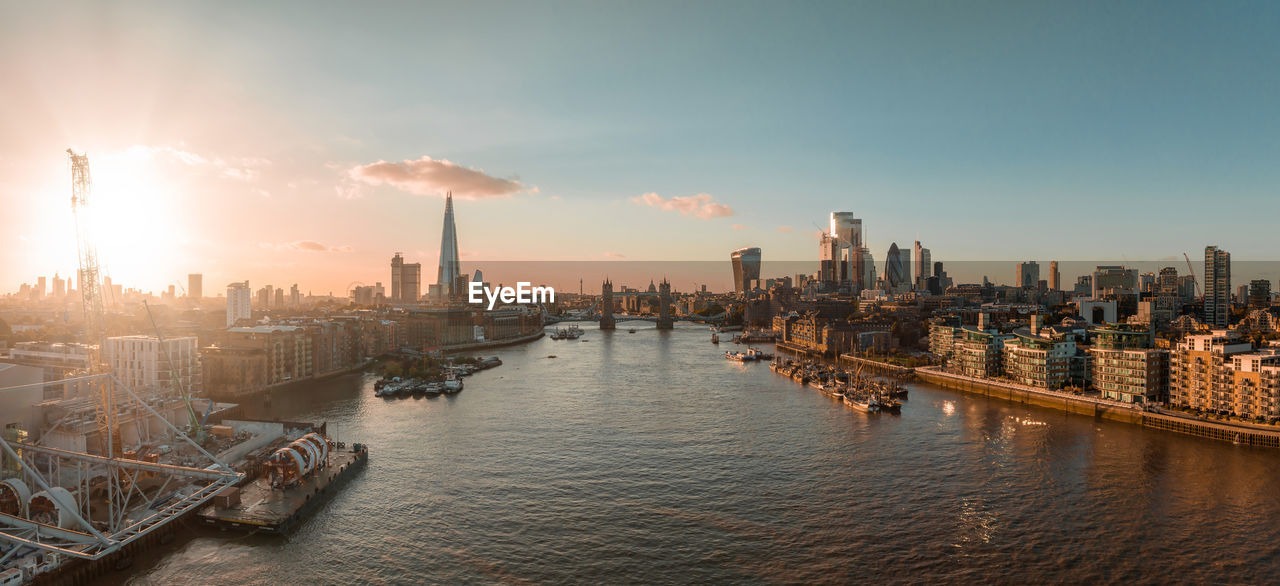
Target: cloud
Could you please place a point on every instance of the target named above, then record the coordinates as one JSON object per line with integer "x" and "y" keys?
{"x": 614, "y": 255}
{"x": 427, "y": 176}
{"x": 305, "y": 246}
{"x": 702, "y": 206}
{"x": 785, "y": 229}
{"x": 739, "y": 227}
{"x": 237, "y": 168}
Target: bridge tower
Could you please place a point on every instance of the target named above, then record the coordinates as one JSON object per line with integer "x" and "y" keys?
{"x": 606, "y": 306}
{"x": 664, "y": 306}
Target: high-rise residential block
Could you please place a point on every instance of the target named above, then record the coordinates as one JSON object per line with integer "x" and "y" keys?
{"x": 1217, "y": 287}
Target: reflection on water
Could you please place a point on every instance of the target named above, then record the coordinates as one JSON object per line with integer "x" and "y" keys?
{"x": 649, "y": 457}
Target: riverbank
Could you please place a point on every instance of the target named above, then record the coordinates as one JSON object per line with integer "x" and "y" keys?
{"x": 472, "y": 346}
{"x": 1103, "y": 408}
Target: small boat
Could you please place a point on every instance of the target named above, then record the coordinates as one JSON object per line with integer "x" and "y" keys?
{"x": 715, "y": 338}
{"x": 865, "y": 404}
{"x": 452, "y": 385}
{"x": 631, "y": 331}
{"x": 433, "y": 389}
{"x": 551, "y": 356}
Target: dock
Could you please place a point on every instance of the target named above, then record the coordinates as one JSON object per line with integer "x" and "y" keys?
{"x": 257, "y": 506}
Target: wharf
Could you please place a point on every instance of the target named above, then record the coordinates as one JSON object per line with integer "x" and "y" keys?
{"x": 274, "y": 510}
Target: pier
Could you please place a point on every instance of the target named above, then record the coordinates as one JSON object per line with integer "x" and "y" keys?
{"x": 260, "y": 507}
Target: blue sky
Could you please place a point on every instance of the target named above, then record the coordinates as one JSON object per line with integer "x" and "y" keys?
{"x": 988, "y": 130}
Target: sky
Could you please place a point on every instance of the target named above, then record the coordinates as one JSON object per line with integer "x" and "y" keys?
{"x": 307, "y": 142}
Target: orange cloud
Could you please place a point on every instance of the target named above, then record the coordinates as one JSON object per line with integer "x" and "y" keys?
{"x": 427, "y": 176}
{"x": 702, "y": 206}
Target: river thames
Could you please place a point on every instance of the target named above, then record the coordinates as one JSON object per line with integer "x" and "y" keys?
{"x": 647, "y": 457}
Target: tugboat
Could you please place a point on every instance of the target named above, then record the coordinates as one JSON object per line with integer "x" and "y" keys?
{"x": 452, "y": 385}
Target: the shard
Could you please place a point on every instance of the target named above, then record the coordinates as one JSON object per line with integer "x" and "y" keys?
{"x": 450, "y": 268}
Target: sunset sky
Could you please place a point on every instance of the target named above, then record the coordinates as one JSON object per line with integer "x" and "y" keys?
{"x": 307, "y": 142}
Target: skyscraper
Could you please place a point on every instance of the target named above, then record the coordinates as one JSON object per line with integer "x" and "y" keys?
{"x": 1217, "y": 287}
{"x": 195, "y": 286}
{"x": 746, "y": 268}
{"x": 922, "y": 264}
{"x": 59, "y": 287}
{"x": 238, "y": 302}
{"x": 895, "y": 270}
{"x": 1055, "y": 278}
{"x": 846, "y": 230}
{"x": 1028, "y": 274}
{"x": 406, "y": 280}
{"x": 828, "y": 258}
{"x": 450, "y": 269}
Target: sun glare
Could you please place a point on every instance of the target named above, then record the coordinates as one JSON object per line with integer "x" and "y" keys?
{"x": 135, "y": 221}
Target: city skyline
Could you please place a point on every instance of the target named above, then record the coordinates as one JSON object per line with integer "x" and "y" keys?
{"x": 271, "y": 173}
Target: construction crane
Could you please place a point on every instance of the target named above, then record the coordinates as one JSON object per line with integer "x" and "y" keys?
{"x": 1192, "y": 271}
{"x": 194, "y": 424}
{"x": 91, "y": 294}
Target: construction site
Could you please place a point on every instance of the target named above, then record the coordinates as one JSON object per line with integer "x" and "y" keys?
{"x": 94, "y": 470}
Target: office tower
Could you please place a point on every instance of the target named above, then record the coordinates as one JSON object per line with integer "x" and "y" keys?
{"x": 450, "y": 269}
{"x": 406, "y": 280}
{"x": 40, "y": 287}
{"x": 895, "y": 270}
{"x": 279, "y": 302}
{"x": 921, "y": 264}
{"x": 1028, "y": 274}
{"x": 195, "y": 286}
{"x": 411, "y": 282}
{"x": 847, "y": 231}
{"x": 238, "y": 302}
{"x": 746, "y": 268}
{"x": 1259, "y": 294}
{"x": 1217, "y": 287}
{"x": 295, "y": 296}
{"x": 397, "y": 271}
{"x": 59, "y": 287}
{"x": 828, "y": 258}
{"x": 1055, "y": 277}
{"x": 1114, "y": 280}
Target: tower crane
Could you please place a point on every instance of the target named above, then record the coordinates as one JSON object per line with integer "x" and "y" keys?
{"x": 1192, "y": 271}
{"x": 91, "y": 294}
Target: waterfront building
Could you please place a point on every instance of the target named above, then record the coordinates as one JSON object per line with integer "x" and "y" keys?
{"x": 144, "y": 363}
{"x": 746, "y": 268}
{"x": 1217, "y": 287}
{"x": 1254, "y": 379}
{"x": 1028, "y": 274}
{"x": 238, "y": 302}
{"x": 1038, "y": 357}
{"x": 978, "y": 353}
{"x": 449, "y": 273}
{"x": 195, "y": 286}
{"x": 1197, "y": 370}
{"x": 1126, "y": 368}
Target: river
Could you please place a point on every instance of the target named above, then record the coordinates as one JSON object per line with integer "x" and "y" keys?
{"x": 647, "y": 457}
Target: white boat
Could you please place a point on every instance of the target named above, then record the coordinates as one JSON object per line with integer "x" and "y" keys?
{"x": 865, "y": 403}
{"x": 452, "y": 384}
